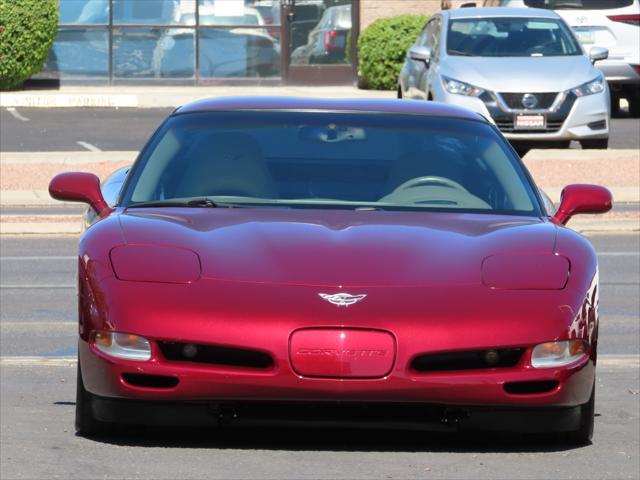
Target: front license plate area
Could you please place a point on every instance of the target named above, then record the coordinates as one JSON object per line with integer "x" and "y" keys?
{"x": 524, "y": 121}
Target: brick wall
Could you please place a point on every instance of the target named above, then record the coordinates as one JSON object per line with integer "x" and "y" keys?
{"x": 371, "y": 10}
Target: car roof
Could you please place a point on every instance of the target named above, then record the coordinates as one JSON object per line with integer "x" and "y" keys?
{"x": 373, "y": 105}
{"x": 500, "y": 12}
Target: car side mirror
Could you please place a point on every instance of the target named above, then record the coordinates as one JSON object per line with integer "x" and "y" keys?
{"x": 79, "y": 187}
{"x": 598, "y": 53}
{"x": 582, "y": 199}
{"x": 420, "y": 54}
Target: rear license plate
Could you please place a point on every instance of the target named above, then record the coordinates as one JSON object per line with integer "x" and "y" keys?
{"x": 585, "y": 36}
{"x": 529, "y": 122}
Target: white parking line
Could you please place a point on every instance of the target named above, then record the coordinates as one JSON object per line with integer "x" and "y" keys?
{"x": 10, "y": 286}
{"x": 66, "y": 361}
{"x": 37, "y": 258}
{"x": 15, "y": 114}
{"x": 36, "y": 324}
{"x": 88, "y": 146}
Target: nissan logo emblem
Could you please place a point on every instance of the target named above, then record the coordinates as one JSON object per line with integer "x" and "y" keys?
{"x": 529, "y": 101}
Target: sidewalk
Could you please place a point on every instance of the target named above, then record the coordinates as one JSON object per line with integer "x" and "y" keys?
{"x": 164, "y": 96}
{"x": 24, "y": 177}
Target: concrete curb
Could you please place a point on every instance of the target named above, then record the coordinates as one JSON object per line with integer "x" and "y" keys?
{"x": 45, "y": 228}
{"x": 163, "y": 96}
{"x": 581, "y": 225}
{"x": 66, "y": 158}
{"x": 41, "y": 197}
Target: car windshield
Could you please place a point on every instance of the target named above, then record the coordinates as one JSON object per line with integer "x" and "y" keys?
{"x": 510, "y": 37}
{"x": 330, "y": 160}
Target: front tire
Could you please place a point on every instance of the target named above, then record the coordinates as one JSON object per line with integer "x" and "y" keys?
{"x": 584, "y": 434}
{"x": 600, "y": 144}
{"x": 634, "y": 104}
{"x": 86, "y": 423}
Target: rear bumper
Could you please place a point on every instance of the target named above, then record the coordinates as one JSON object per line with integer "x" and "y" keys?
{"x": 103, "y": 376}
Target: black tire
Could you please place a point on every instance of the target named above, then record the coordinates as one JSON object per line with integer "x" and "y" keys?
{"x": 600, "y": 143}
{"x": 634, "y": 105}
{"x": 615, "y": 103}
{"x": 584, "y": 434}
{"x": 86, "y": 423}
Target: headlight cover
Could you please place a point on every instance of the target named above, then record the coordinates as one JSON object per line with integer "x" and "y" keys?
{"x": 123, "y": 345}
{"x": 460, "y": 88}
{"x": 596, "y": 85}
{"x": 557, "y": 354}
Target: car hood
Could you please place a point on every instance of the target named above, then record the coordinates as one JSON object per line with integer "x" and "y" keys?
{"x": 521, "y": 74}
{"x": 332, "y": 247}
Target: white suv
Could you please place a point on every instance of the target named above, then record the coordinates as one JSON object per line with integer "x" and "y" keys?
{"x": 612, "y": 24}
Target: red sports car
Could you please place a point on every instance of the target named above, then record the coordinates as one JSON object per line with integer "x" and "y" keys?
{"x": 344, "y": 262}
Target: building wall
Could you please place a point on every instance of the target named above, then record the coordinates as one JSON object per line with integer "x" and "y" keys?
{"x": 371, "y": 10}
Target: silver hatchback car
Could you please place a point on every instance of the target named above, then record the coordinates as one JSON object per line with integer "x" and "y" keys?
{"x": 521, "y": 68}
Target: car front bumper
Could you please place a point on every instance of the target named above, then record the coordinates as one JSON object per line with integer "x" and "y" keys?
{"x": 105, "y": 377}
{"x": 578, "y": 124}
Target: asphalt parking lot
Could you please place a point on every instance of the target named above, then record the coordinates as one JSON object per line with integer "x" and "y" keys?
{"x": 36, "y": 129}
{"x": 37, "y": 369}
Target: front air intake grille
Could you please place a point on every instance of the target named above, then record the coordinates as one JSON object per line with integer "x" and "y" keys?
{"x": 506, "y": 126}
{"x": 215, "y": 355}
{"x": 149, "y": 381}
{"x": 528, "y": 388}
{"x": 544, "y": 100}
{"x": 599, "y": 125}
{"x": 467, "y": 360}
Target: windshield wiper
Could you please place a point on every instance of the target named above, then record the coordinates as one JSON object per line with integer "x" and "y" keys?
{"x": 194, "y": 202}
{"x": 459, "y": 52}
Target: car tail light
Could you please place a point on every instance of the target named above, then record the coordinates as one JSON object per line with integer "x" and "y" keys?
{"x": 636, "y": 68}
{"x": 330, "y": 40}
{"x": 557, "y": 354}
{"x": 633, "y": 19}
{"x": 122, "y": 345}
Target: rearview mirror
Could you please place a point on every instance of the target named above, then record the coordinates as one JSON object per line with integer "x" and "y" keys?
{"x": 598, "y": 53}
{"x": 582, "y": 199}
{"x": 79, "y": 187}
{"x": 421, "y": 54}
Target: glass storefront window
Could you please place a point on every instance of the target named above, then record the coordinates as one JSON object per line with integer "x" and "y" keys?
{"x": 79, "y": 53}
{"x": 320, "y": 36}
{"x": 153, "y": 53}
{"x": 239, "y": 12}
{"x": 238, "y": 52}
{"x": 149, "y": 12}
{"x": 84, "y": 12}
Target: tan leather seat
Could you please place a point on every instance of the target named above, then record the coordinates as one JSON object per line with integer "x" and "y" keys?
{"x": 227, "y": 164}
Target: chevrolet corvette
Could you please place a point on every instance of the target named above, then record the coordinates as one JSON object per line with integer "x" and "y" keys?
{"x": 338, "y": 263}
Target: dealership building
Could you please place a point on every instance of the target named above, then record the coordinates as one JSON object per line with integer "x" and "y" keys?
{"x": 205, "y": 42}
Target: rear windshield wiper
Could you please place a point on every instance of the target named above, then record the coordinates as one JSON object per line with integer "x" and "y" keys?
{"x": 195, "y": 202}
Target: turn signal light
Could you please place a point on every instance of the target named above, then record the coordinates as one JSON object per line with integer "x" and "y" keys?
{"x": 122, "y": 345}
{"x": 557, "y": 354}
